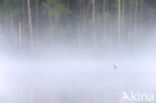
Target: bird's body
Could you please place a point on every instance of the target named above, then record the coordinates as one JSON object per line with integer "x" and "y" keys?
{"x": 115, "y": 67}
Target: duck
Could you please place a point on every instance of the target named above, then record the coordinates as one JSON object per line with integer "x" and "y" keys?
{"x": 115, "y": 67}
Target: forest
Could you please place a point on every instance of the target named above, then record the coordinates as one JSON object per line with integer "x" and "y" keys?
{"x": 104, "y": 24}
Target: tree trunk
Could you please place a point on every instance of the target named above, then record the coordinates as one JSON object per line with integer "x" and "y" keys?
{"x": 135, "y": 21}
{"x": 119, "y": 20}
{"x": 104, "y": 10}
{"x": 37, "y": 14}
{"x": 88, "y": 8}
{"x": 81, "y": 26}
{"x": 123, "y": 11}
{"x": 93, "y": 24}
{"x": 20, "y": 35}
{"x": 23, "y": 16}
{"x": 81, "y": 11}
{"x": 22, "y": 24}
{"x": 30, "y": 23}
{"x": 104, "y": 6}
{"x": 84, "y": 22}
{"x": 93, "y": 11}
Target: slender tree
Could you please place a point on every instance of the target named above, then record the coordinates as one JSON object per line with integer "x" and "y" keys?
{"x": 104, "y": 6}
{"x": 20, "y": 35}
{"x": 88, "y": 7}
{"x": 30, "y": 22}
{"x": 119, "y": 20}
{"x": 135, "y": 19}
{"x": 93, "y": 11}
{"x": 84, "y": 20}
{"x": 93, "y": 21}
{"x": 123, "y": 11}
{"x": 37, "y": 15}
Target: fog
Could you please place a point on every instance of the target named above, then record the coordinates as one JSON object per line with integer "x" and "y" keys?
{"x": 69, "y": 74}
{"x": 77, "y": 51}
{"x": 74, "y": 78}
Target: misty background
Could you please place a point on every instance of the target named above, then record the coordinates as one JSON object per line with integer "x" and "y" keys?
{"x": 76, "y": 51}
{"x": 77, "y": 24}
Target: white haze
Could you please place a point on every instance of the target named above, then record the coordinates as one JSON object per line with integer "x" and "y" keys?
{"x": 70, "y": 78}
{"x": 74, "y": 75}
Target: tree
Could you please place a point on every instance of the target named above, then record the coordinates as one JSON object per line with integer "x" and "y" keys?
{"x": 9, "y": 11}
{"x": 93, "y": 11}
{"x": 55, "y": 9}
{"x": 37, "y": 15}
{"x": 10, "y": 16}
{"x": 119, "y": 20}
{"x": 135, "y": 19}
{"x": 88, "y": 8}
{"x": 104, "y": 6}
{"x": 93, "y": 21}
{"x": 30, "y": 23}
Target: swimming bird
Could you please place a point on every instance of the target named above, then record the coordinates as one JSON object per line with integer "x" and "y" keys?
{"x": 115, "y": 67}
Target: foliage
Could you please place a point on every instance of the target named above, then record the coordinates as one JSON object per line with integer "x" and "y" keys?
{"x": 10, "y": 7}
{"x": 55, "y": 8}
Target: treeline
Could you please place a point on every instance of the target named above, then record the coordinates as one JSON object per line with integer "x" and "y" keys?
{"x": 78, "y": 23}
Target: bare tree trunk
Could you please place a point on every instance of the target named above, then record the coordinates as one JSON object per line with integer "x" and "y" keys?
{"x": 93, "y": 11}
{"x": 81, "y": 11}
{"x": 81, "y": 26}
{"x": 57, "y": 24}
{"x": 104, "y": 11}
{"x": 130, "y": 31}
{"x": 119, "y": 20}
{"x": 20, "y": 35}
{"x": 130, "y": 8}
{"x": 80, "y": 36}
{"x": 135, "y": 21}
{"x": 88, "y": 8}
{"x": 23, "y": 16}
{"x": 37, "y": 20}
{"x": 142, "y": 7}
{"x": 84, "y": 22}
{"x": 123, "y": 11}
{"x": 104, "y": 6}
{"x": 103, "y": 20}
{"x": 93, "y": 21}
{"x": 30, "y": 23}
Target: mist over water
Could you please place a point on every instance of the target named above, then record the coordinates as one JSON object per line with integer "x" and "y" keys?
{"x": 74, "y": 59}
{"x": 74, "y": 77}
{"x": 67, "y": 75}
